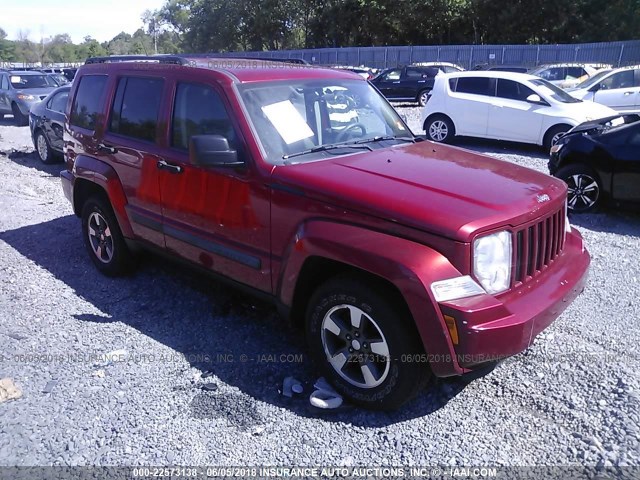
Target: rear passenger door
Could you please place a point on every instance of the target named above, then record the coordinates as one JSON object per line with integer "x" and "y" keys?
{"x": 133, "y": 126}
{"x": 54, "y": 124}
{"x": 511, "y": 117}
{"x": 217, "y": 217}
{"x": 414, "y": 80}
{"x": 5, "y": 104}
{"x": 469, "y": 105}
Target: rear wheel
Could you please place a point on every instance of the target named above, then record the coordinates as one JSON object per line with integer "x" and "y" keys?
{"x": 20, "y": 119}
{"x": 439, "y": 129}
{"x": 423, "y": 97}
{"x": 361, "y": 340}
{"x": 584, "y": 188}
{"x": 103, "y": 238}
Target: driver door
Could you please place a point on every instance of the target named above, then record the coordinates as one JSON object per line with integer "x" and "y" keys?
{"x": 215, "y": 216}
{"x": 619, "y": 91}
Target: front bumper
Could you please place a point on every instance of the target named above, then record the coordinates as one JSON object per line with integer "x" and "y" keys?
{"x": 66, "y": 178}
{"x": 493, "y": 328}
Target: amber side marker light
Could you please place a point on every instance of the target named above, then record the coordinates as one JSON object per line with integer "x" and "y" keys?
{"x": 453, "y": 330}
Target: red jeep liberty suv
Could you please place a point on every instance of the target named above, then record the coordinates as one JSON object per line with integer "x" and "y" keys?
{"x": 402, "y": 258}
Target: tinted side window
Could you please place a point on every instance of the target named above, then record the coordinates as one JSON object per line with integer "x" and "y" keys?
{"x": 575, "y": 72}
{"x": 88, "y": 100}
{"x": 198, "y": 110}
{"x": 136, "y": 106}
{"x": 391, "y": 76}
{"x": 619, "y": 80}
{"x": 513, "y": 90}
{"x": 59, "y": 102}
{"x": 4, "y": 84}
{"x": 475, "y": 85}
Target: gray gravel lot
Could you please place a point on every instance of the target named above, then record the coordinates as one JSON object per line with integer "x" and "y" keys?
{"x": 572, "y": 399}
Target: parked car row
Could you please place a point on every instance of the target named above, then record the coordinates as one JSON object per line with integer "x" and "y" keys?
{"x": 414, "y": 82}
{"x": 504, "y": 106}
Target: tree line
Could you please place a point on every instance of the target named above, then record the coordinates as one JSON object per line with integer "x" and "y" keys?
{"x": 241, "y": 25}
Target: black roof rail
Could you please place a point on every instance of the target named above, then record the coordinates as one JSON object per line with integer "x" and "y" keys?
{"x": 174, "y": 59}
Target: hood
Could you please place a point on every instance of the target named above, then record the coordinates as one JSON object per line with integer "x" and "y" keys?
{"x": 579, "y": 93}
{"x": 436, "y": 188}
{"x": 586, "y": 111}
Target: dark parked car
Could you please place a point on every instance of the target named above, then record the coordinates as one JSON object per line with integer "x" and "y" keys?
{"x": 20, "y": 90}
{"x": 411, "y": 83}
{"x": 399, "y": 258}
{"x": 600, "y": 162}
{"x": 46, "y": 121}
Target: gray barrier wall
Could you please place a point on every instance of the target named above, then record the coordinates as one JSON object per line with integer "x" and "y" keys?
{"x": 467, "y": 56}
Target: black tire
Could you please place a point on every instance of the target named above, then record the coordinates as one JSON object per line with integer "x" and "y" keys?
{"x": 43, "y": 148}
{"x": 423, "y": 97}
{"x": 550, "y": 137}
{"x": 585, "y": 187}
{"x": 20, "y": 119}
{"x": 113, "y": 258}
{"x": 439, "y": 128}
{"x": 393, "y": 380}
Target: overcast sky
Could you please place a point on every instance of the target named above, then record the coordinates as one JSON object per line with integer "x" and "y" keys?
{"x": 102, "y": 19}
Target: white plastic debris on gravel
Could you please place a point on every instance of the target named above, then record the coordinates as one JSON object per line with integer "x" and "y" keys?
{"x": 572, "y": 399}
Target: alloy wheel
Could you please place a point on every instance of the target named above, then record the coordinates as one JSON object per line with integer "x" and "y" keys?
{"x": 438, "y": 131}
{"x": 100, "y": 237}
{"x": 355, "y": 346}
{"x": 43, "y": 148}
{"x": 583, "y": 192}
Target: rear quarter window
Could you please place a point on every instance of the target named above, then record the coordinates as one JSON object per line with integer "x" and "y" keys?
{"x": 88, "y": 101}
{"x": 475, "y": 85}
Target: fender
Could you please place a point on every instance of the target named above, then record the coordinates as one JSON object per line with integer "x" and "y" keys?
{"x": 102, "y": 174}
{"x": 408, "y": 265}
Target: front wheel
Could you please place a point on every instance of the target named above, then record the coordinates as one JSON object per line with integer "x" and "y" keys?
{"x": 45, "y": 154}
{"x": 103, "y": 238}
{"x": 553, "y": 135}
{"x": 364, "y": 343}
{"x": 19, "y": 118}
{"x": 584, "y": 190}
{"x": 439, "y": 129}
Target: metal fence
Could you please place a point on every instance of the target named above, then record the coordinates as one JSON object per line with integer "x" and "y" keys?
{"x": 467, "y": 56}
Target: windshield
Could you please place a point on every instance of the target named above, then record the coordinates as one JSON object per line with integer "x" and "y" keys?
{"x": 293, "y": 118}
{"x": 549, "y": 90}
{"x": 589, "y": 82}
{"x": 59, "y": 78}
{"x": 32, "y": 81}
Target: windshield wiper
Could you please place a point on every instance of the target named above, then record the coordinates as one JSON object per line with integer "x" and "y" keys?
{"x": 382, "y": 138}
{"x": 324, "y": 148}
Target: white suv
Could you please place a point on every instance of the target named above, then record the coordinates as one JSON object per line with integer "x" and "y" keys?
{"x": 504, "y": 106}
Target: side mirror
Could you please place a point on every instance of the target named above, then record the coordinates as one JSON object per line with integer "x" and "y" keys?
{"x": 212, "y": 151}
{"x": 598, "y": 86}
{"x": 534, "y": 98}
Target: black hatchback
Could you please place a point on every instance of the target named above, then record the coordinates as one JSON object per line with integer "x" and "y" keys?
{"x": 46, "y": 121}
{"x": 600, "y": 162}
{"x": 409, "y": 84}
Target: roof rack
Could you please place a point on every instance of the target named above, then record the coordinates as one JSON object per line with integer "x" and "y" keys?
{"x": 174, "y": 59}
{"x": 184, "y": 59}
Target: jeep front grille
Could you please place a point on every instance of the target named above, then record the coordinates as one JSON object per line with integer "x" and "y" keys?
{"x": 536, "y": 246}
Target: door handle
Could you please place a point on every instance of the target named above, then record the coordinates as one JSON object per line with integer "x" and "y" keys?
{"x": 107, "y": 148}
{"x": 397, "y": 81}
{"x": 628, "y": 93}
{"x": 164, "y": 165}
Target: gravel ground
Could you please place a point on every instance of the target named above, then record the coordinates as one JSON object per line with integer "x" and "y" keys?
{"x": 572, "y": 399}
